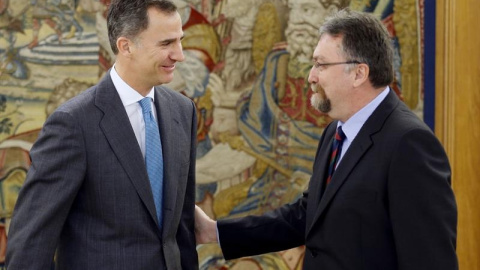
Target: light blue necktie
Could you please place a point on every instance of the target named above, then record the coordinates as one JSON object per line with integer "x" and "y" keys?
{"x": 153, "y": 155}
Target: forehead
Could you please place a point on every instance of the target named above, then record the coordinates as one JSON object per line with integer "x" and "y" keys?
{"x": 328, "y": 47}
{"x": 157, "y": 16}
{"x": 161, "y": 23}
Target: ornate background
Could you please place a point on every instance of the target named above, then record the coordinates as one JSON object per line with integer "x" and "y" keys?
{"x": 246, "y": 69}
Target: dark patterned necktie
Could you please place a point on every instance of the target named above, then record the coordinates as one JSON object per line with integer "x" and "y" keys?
{"x": 336, "y": 152}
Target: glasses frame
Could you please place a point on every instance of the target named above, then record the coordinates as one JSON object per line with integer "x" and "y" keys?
{"x": 336, "y": 63}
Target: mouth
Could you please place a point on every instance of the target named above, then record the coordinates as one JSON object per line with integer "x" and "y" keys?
{"x": 169, "y": 67}
{"x": 315, "y": 88}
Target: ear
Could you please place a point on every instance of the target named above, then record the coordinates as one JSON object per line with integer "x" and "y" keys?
{"x": 124, "y": 46}
{"x": 362, "y": 72}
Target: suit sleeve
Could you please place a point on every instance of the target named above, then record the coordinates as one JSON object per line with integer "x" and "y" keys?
{"x": 185, "y": 235}
{"x": 53, "y": 180}
{"x": 277, "y": 230}
{"x": 422, "y": 205}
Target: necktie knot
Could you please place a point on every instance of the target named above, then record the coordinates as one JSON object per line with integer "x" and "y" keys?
{"x": 145, "y": 103}
{"x": 339, "y": 135}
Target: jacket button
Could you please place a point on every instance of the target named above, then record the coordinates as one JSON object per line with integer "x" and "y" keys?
{"x": 313, "y": 253}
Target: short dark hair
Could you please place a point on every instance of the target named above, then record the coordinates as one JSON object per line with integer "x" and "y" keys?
{"x": 128, "y": 18}
{"x": 365, "y": 39}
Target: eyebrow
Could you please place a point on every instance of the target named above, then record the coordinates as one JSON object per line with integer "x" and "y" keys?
{"x": 170, "y": 40}
{"x": 318, "y": 58}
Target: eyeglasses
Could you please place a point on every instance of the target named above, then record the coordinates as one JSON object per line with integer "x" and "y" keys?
{"x": 336, "y": 63}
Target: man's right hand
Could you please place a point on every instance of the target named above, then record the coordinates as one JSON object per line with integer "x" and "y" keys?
{"x": 205, "y": 227}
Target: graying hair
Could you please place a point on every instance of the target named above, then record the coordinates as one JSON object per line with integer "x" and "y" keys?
{"x": 364, "y": 39}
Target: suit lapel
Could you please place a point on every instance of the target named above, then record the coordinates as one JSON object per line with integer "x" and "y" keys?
{"x": 320, "y": 168}
{"x": 168, "y": 126}
{"x": 358, "y": 148}
{"x": 119, "y": 133}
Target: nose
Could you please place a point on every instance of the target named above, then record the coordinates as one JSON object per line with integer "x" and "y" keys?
{"x": 312, "y": 78}
{"x": 177, "y": 53}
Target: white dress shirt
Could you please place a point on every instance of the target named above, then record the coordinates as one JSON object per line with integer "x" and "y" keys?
{"x": 353, "y": 125}
{"x": 130, "y": 99}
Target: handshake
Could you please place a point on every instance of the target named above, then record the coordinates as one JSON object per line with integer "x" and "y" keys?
{"x": 205, "y": 227}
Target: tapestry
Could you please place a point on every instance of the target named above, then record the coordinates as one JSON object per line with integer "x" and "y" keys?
{"x": 246, "y": 69}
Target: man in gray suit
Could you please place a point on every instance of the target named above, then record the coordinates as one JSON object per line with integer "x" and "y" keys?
{"x": 88, "y": 196}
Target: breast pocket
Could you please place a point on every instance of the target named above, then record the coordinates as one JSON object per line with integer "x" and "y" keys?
{"x": 358, "y": 204}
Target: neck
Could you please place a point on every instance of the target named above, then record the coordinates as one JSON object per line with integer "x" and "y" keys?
{"x": 361, "y": 98}
{"x": 128, "y": 77}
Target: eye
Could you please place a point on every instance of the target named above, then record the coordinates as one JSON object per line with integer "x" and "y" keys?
{"x": 318, "y": 65}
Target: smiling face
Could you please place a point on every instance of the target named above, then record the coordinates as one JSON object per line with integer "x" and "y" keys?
{"x": 332, "y": 85}
{"x": 154, "y": 52}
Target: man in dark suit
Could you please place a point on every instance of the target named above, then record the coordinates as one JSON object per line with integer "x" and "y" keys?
{"x": 89, "y": 191}
{"x": 388, "y": 203}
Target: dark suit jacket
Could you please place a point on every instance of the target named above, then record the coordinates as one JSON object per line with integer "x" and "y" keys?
{"x": 87, "y": 192}
{"x": 389, "y": 204}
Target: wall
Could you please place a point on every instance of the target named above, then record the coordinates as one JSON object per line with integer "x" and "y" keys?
{"x": 457, "y": 111}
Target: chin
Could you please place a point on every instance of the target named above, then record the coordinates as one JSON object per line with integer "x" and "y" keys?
{"x": 320, "y": 104}
{"x": 165, "y": 80}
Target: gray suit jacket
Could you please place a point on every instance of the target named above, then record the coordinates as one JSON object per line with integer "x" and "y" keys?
{"x": 87, "y": 194}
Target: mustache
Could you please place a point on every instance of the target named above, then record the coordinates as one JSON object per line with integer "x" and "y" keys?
{"x": 318, "y": 89}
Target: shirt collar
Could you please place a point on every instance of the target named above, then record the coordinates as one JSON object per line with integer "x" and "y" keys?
{"x": 127, "y": 94}
{"x": 353, "y": 125}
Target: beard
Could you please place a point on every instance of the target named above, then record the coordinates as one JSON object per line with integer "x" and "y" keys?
{"x": 319, "y": 99}
{"x": 301, "y": 40}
